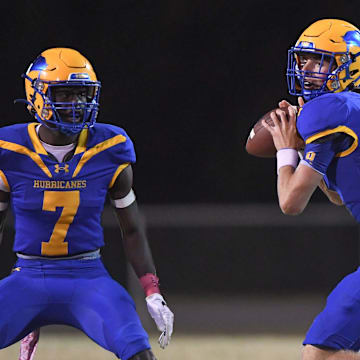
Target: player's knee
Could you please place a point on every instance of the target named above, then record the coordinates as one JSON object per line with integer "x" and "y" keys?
{"x": 144, "y": 355}
{"x": 311, "y": 352}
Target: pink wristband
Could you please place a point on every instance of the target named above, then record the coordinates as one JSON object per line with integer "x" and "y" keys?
{"x": 286, "y": 157}
{"x": 150, "y": 284}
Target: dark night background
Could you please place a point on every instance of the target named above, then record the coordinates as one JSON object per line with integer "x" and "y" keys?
{"x": 187, "y": 79}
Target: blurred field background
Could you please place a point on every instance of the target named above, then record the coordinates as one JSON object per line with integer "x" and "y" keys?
{"x": 212, "y": 329}
{"x": 236, "y": 347}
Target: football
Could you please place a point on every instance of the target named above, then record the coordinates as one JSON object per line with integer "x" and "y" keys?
{"x": 260, "y": 142}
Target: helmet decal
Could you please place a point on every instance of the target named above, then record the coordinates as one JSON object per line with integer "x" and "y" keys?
{"x": 38, "y": 65}
{"x": 352, "y": 38}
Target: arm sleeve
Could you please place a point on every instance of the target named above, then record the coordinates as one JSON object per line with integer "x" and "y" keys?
{"x": 321, "y": 152}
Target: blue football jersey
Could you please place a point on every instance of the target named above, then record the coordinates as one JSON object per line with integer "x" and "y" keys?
{"x": 57, "y": 207}
{"x": 320, "y": 123}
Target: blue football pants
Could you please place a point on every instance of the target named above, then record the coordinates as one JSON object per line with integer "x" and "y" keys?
{"x": 79, "y": 293}
{"x": 338, "y": 325}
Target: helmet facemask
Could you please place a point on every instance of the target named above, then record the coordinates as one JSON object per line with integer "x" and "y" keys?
{"x": 69, "y": 117}
{"x": 310, "y": 84}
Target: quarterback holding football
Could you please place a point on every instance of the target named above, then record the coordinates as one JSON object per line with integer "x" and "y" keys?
{"x": 324, "y": 72}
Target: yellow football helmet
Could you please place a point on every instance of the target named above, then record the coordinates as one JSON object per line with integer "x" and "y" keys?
{"x": 66, "y": 68}
{"x": 336, "y": 41}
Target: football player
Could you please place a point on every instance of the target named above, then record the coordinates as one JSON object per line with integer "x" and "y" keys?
{"x": 56, "y": 173}
{"x": 324, "y": 72}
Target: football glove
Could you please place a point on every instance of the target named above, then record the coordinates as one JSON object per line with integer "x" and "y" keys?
{"x": 162, "y": 316}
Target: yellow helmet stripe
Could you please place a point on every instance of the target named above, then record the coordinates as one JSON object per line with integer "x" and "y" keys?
{"x": 97, "y": 149}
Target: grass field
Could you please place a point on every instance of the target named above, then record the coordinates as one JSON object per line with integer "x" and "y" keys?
{"x": 189, "y": 347}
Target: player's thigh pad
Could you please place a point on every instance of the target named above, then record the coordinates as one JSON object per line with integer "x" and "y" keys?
{"x": 338, "y": 325}
{"x": 103, "y": 309}
{"x": 22, "y": 298}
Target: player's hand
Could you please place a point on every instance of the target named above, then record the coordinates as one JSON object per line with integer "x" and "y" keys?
{"x": 162, "y": 316}
{"x": 286, "y": 104}
{"x": 284, "y": 131}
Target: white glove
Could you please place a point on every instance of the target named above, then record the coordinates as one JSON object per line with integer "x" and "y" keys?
{"x": 162, "y": 316}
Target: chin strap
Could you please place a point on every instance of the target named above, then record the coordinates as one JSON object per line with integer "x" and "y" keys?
{"x": 28, "y": 345}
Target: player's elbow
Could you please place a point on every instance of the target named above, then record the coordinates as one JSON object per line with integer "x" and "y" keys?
{"x": 291, "y": 207}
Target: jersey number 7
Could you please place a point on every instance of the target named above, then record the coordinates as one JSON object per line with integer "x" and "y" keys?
{"x": 69, "y": 201}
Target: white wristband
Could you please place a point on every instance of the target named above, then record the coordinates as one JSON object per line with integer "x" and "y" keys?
{"x": 125, "y": 201}
{"x": 286, "y": 157}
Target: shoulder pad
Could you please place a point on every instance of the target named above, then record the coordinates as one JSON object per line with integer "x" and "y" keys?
{"x": 14, "y": 133}
{"x": 122, "y": 148}
{"x": 321, "y": 115}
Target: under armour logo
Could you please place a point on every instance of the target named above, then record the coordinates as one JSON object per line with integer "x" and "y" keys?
{"x": 58, "y": 168}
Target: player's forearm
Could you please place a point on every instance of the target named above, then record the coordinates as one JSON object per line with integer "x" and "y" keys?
{"x": 138, "y": 252}
{"x": 292, "y": 197}
{"x": 135, "y": 241}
